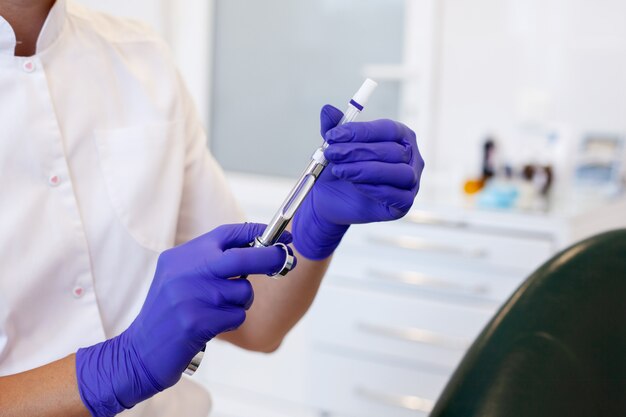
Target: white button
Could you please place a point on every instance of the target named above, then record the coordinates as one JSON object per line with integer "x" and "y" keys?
{"x": 78, "y": 291}
{"x": 54, "y": 180}
{"x": 29, "y": 66}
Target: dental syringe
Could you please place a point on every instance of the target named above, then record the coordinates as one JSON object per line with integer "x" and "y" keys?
{"x": 312, "y": 172}
{"x": 298, "y": 193}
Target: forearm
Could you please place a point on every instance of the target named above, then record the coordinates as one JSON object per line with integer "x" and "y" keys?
{"x": 278, "y": 305}
{"x": 47, "y": 391}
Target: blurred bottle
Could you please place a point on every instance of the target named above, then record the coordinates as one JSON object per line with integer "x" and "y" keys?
{"x": 489, "y": 159}
{"x": 488, "y": 168}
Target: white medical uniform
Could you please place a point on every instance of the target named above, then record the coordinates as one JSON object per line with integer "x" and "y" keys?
{"x": 103, "y": 164}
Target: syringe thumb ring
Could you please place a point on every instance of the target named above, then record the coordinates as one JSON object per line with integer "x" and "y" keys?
{"x": 290, "y": 262}
{"x": 288, "y": 265}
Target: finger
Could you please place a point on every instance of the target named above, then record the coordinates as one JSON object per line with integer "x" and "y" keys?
{"x": 235, "y": 317}
{"x": 377, "y": 173}
{"x": 383, "y": 130}
{"x": 231, "y": 318}
{"x": 392, "y": 152}
{"x": 236, "y": 235}
{"x": 329, "y": 117}
{"x": 399, "y": 201}
{"x": 245, "y": 261}
{"x": 241, "y": 235}
{"x": 236, "y": 292}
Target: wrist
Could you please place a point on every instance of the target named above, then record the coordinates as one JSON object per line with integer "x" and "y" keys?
{"x": 313, "y": 237}
{"x": 112, "y": 378}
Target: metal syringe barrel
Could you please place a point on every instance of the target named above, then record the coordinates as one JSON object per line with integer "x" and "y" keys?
{"x": 316, "y": 165}
{"x": 297, "y": 194}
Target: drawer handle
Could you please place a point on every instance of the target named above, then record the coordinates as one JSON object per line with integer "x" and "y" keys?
{"x": 412, "y": 334}
{"x": 407, "y": 242}
{"x": 430, "y": 219}
{"x": 419, "y": 280}
{"x": 423, "y": 217}
{"x": 407, "y": 402}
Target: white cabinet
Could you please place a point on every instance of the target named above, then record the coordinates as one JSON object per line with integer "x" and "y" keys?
{"x": 401, "y": 303}
{"x": 359, "y": 386}
{"x": 416, "y": 330}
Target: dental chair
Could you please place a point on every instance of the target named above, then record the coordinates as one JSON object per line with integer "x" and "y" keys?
{"x": 557, "y": 347}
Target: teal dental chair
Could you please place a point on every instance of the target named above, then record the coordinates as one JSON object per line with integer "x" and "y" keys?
{"x": 557, "y": 347}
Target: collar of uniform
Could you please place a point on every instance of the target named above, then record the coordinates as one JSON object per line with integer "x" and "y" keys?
{"x": 49, "y": 32}
{"x": 7, "y": 38}
{"x": 53, "y": 25}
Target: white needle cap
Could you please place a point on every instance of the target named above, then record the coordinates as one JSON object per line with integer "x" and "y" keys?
{"x": 364, "y": 93}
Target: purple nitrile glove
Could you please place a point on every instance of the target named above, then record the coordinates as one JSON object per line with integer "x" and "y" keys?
{"x": 373, "y": 175}
{"x": 191, "y": 300}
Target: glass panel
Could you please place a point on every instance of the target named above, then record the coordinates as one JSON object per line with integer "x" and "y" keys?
{"x": 278, "y": 61}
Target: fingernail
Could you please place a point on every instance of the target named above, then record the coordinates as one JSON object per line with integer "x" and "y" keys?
{"x": 332, "y": 135}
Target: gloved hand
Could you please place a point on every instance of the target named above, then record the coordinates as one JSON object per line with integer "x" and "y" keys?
{"x": 191, "y": 300}
{"x": 373, "y": 175}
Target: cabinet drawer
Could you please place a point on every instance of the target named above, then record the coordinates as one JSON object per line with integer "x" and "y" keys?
{"x": 356, "y": 387}
{"x": 415, "y": 330}
{"x": 444, "y": 245}
{"x": 447, "y": 283}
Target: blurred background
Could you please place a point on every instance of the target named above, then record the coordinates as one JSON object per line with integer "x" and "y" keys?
{"x": 520, "y": 111}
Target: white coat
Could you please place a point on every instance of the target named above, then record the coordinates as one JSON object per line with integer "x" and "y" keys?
{"x": 103, "y": 165}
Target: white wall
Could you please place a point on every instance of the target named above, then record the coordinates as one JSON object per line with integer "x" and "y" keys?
{"x": 501, "y": 66}
{"x": 508, "y": 63}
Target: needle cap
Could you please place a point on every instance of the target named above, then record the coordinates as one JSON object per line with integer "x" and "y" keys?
{"x": 362, "y": 96}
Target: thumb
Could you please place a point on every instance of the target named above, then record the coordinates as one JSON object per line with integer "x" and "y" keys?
{"x": 329, "y": 118}
{"x": 241, "y": 235}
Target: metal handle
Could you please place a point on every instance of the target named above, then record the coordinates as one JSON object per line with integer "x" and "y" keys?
{"x": 407, "y": 242}
{"x": 407, "y": 402}
{"x": 429, "y": 219}
{"x": 419, "y": 280}
{"x": 415, "y": 335}
{"x": 424, "y": 217}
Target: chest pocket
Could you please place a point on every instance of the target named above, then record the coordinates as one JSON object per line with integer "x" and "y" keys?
{"x": 143, "y": 168}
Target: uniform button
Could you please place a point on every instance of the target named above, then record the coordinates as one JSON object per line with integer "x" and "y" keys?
{"x": 54, "y": 180}
{"x": 78, "y": 292}
{"x": 29, "y": 66}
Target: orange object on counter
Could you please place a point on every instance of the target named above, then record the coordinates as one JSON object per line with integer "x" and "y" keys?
{"x": 473, "y": 186}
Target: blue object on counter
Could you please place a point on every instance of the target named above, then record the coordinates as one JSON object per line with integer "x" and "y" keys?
{"x": 501, "y": 195}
